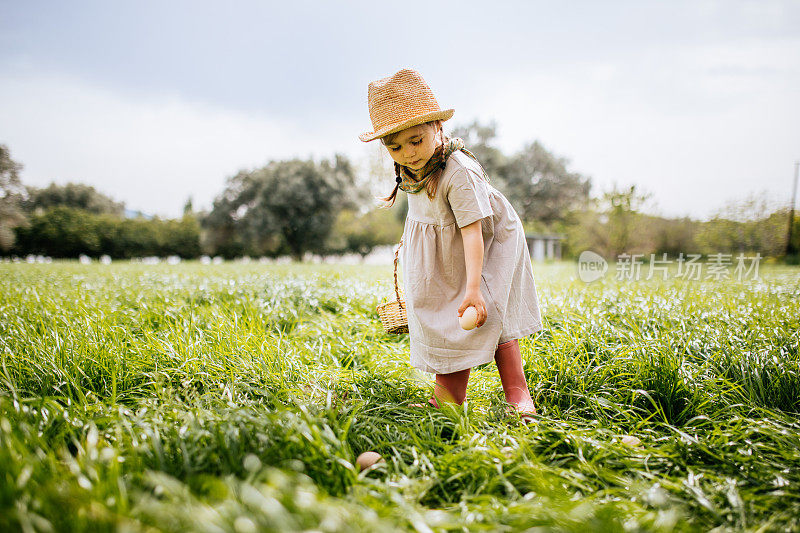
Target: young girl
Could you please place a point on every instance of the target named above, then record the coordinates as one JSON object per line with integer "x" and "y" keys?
{"x": 463, "y": 245}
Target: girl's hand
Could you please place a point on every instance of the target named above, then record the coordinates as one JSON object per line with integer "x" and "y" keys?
{"x": 474, "y": 298}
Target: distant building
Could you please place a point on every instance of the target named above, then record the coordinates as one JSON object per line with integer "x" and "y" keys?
{"x": 544, "y": 246}
{"x": 130, "y": 213}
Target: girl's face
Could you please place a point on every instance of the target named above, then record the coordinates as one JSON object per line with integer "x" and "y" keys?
{"x": 414, "y": 146}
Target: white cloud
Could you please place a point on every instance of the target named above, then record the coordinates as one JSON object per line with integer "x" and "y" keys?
{"x": 151, "y": 152}
{"x": 696, "y": 126}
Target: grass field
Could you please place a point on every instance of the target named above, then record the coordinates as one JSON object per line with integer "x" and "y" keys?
{"x": 236, "y": 398}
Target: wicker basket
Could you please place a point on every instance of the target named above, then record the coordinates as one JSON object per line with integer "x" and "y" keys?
{"x": 393, "y": 314}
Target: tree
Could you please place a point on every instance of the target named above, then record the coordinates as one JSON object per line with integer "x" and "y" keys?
{"x": 284, "y": 207}
{"x": 614, "y": 225}
{"x": 180, "y": 237}
{"x": 753, "y": 224}
{"x": 539, "y": 185}
{"x": 673, "y": 236}
{"x": 479, "y": 139}
{"x": 360, "y": 234}
{"x": 225, "y": 230}
{"x": 535, "y": 181}
{"x": 60, "y": 232}
{"x": 11, "y": 197}
{"x": 75, "y": 195}
{"x": 68, "y": 232}
{"x": 621, "y": 210}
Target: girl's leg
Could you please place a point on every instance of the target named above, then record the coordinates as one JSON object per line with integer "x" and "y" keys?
{"x": 512, "y": 376}
{"x": 452, "y": 387}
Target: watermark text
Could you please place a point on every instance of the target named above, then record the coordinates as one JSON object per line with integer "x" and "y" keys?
{"x": 634, "y": 267}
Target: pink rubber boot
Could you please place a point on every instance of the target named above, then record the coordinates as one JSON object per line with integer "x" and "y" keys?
{"x": 449, "y": 388}
{"x": 512, "y": 377}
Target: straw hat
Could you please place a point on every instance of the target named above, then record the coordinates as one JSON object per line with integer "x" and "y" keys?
{"x": 399, "y": 102}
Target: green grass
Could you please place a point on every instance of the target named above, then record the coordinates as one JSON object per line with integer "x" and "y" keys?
{"x": 237, "y": 397}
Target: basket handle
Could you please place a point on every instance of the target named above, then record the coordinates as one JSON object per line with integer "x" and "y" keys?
{"x": 396, "y": 258}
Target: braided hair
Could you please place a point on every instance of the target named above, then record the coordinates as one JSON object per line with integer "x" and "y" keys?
{"x": 430, "y": 186}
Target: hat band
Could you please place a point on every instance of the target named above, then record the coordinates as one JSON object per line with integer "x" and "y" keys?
{"x": 388, "y": 129}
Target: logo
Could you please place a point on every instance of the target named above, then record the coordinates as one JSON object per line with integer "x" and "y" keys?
{"x": 591, "y": 266}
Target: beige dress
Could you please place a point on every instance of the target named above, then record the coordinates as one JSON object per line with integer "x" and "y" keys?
{"x": 434, "y": 271}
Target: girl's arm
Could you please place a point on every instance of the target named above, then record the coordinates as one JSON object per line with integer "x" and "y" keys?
{"x": 472, "y": 235}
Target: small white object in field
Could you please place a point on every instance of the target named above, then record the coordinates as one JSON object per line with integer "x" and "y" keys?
{"x": 469, "y": 318}
{"x": 367, "y": 459}
{"x": 242, "y": 524}
{"x": 630, "y": 440}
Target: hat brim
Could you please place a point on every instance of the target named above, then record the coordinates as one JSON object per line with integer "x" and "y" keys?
{"x": 416, "y": 121}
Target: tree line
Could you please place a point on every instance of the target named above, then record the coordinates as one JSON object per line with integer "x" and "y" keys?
{"x": 65, "y": 221}
{"x": 293, "y": 207}
{"x": 284, "y": 208}
{"x": 553, "y": 200}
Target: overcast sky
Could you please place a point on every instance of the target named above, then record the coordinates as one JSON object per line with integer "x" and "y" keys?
{"x": 696, "y": 102}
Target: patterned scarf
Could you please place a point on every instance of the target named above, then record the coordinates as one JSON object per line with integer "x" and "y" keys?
{"x": 410, "y": 183}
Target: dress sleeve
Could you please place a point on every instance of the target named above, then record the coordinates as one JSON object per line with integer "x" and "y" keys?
{"x": 468, "y": 197}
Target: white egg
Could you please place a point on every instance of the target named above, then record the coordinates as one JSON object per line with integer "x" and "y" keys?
{"x": 469, "y": 318}
{"x": 367, "y": 459}
{"x": 630, "y": 440}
